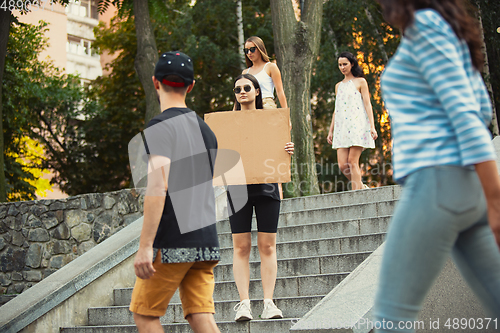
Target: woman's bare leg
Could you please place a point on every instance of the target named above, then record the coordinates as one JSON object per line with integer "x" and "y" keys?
{"x": 343, "y": 160}
{"x": 353, "y": 161}
{"x": 242, "y": 245}
{"x": 268, "y": 262}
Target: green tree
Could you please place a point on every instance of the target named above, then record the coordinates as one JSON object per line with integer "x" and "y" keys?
{"x": 212, "y": 42}
{"x": 207, "y": 31}
{"x": 32, "y": 92}
{"x": 146, "y": 51}
{"x": 4, "y": 38}
{"x": 85, "y": 132}
{"x": 112, "y": 113}
{"x": 6, "y": 20}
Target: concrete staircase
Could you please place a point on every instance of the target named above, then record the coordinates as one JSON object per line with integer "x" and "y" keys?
{"x": 321, "y": 239}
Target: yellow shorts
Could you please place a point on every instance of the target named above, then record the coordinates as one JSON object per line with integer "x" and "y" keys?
{"x": 268, "y": 103}
{"x": 195, "y": 281}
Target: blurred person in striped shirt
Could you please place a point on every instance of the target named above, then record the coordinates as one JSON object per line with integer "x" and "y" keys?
{"x": 443, "y": 155}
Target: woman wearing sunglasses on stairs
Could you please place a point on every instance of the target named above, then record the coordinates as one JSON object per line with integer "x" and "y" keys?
{"x": 266, "y": 72}
{"x": 266, "y": 200}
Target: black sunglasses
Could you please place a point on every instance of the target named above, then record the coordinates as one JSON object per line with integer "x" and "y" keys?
{"x": 252, "y": 49}
{"x": 247, "y": 88}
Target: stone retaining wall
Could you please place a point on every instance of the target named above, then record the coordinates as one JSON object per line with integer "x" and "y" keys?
{"x": 39, "y": 237}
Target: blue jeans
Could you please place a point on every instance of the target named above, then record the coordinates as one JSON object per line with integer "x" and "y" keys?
{"x": 442, "y": 211}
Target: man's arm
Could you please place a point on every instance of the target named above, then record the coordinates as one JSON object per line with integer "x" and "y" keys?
{"x": 154, "y": 202}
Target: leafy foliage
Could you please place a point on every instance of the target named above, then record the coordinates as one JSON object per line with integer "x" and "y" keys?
{"x": 113, "y": 114}
{"x": 85, "y": 132}
{"x": 212, "y": 43}
{"x": 32, "y": 158}
{"x": 33, "y": 91}
{"x": 206, "y": 31}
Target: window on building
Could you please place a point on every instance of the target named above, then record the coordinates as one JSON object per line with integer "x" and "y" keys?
{"x": 80, "y": 46}
{"x": 83, "y": 8}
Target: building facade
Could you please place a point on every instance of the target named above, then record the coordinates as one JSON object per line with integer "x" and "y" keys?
{"x": 70, "y": 35}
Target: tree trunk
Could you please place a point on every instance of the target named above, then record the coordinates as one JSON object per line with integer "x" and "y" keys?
{"x": 297, "y": 47}
{"x": 4, "y": 38}
{"x": 486, "y": 73}
{"x": 147, "y": 56}
{"x": 241, "y": 35}
{"x": 380, "y": 41}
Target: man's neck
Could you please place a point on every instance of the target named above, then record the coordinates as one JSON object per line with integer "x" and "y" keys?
{"x": 172, "y": 100}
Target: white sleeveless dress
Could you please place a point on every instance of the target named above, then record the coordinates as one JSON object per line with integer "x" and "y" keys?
{"x": 352, "y": 126}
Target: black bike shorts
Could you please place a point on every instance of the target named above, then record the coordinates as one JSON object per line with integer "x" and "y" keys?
{"x": 267, "y": 211}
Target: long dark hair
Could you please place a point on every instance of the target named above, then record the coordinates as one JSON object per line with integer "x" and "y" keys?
{"x": 258, "y": 98}
{"x": 400, "y": 13}
{"x": 355, "y": 69}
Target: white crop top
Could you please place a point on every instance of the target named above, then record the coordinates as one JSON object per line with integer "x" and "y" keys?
{"x": 265, "y": 81}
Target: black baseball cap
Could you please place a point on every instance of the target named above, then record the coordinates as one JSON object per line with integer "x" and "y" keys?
{"x": 175, "y": 63}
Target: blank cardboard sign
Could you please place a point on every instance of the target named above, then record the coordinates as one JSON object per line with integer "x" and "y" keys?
{"x": 259, "y": 136}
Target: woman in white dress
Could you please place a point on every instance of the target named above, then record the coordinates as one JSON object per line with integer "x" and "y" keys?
{"x": 353, "y": 127}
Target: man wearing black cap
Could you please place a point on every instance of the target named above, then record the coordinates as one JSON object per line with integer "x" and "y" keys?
{"x": 178, "y": 247}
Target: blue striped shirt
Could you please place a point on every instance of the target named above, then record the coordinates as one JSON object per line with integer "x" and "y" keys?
{"x": 438, "y": 103}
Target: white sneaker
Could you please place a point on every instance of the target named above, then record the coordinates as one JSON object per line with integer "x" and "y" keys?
{"x": 271, "y": 311}
{"x": 243, "y": 312}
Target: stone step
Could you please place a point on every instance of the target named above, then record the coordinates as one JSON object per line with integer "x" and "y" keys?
{"x": 286, "y": 268}
{"x": 328, "y": 214}
{"x": 334, "y": 263}
{"x": 320, "y": 240}
{"x": 253, "y": 326}
{"x": 319, "y": 230}
{"x": 304, "y": 285}
{"x": 337, "y": 199}
{"x": 292, "y": 307}
{"x": 334, "y": 245}
{"x": 341, "y": 198}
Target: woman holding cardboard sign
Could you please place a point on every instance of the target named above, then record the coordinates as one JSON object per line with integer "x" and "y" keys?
{"x": 267, "y": 73}
{"x": 266, "y": 200}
